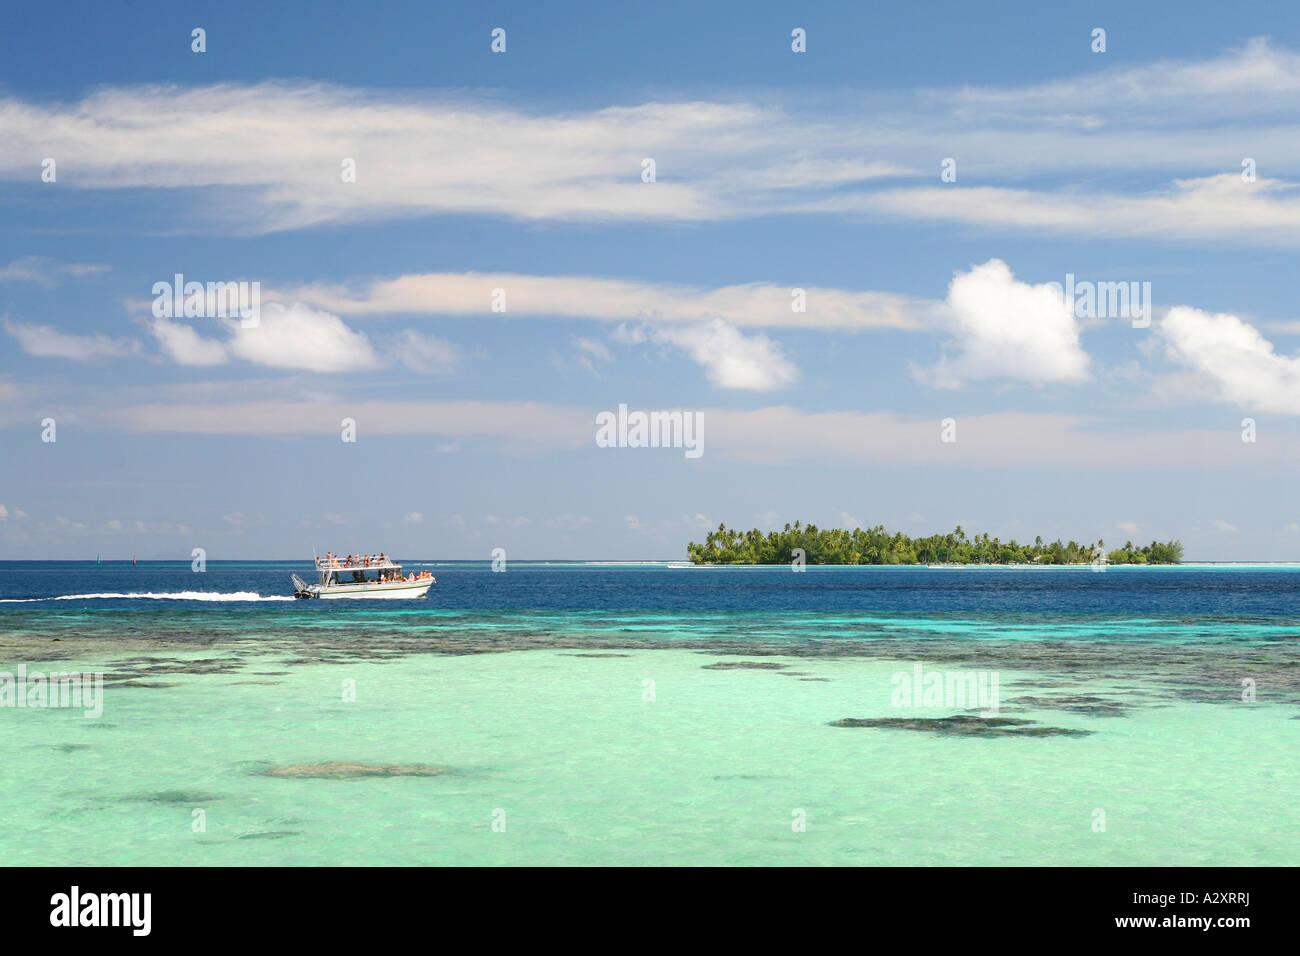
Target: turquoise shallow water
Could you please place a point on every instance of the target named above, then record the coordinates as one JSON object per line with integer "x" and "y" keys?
{"x": 651, "y": 716}
{"x": 711, "y": 771}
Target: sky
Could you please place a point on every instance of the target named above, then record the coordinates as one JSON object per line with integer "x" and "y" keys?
{"x": 846, "y": 263}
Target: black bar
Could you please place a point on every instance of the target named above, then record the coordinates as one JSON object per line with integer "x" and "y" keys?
{"x": 933, "y": 906}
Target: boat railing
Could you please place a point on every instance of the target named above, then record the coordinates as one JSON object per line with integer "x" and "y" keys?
{"x": 338, "y": 564}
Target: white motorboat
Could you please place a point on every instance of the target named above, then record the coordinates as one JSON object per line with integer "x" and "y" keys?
{"x": 368, "y": 576}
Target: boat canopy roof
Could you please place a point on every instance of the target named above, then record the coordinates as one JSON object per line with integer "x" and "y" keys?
{"x": 339, "y": 564}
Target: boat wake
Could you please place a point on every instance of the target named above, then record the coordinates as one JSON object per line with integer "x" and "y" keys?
{"x": 152, "y": 596}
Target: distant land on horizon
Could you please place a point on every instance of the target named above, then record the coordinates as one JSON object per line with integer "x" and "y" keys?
{"x": 806, "y": 544}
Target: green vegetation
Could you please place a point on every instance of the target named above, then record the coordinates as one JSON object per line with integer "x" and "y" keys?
{"x": 878, "y": 546}
{"x": 1171, "y": 552}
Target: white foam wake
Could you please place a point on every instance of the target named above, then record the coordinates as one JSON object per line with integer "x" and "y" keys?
{"x": 168, "y": 596}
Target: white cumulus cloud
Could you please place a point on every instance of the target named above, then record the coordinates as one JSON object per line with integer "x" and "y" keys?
{"x": 299, "y": 336}
{"x": 730, "y": 358}
{"x": 1235, "y": 356}
{"x": 1005, "y": 328}
{"x": 183, "y": 344}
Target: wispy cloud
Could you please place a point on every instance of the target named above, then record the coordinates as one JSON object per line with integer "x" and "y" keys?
{"x": 1214, "y": 207}
{"x": 45, "y": 341}
{"x": 584, "y": 166}
{"x": 1257, "y": 77}
{"x": 834, "y": 154}
{"x": 590, "y": 352}
{"x": 761, "y": 304}
{"x": 423, "y": 353}
{"x": 46, "y": 272}
{"x": 769, "y": 434}
{"x": 299, "y": 336}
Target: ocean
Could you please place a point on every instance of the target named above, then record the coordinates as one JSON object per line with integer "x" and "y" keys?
{"x": 579, "y": 713}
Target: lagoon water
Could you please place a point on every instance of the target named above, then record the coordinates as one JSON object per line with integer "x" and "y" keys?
{"x": 642, "y": 714}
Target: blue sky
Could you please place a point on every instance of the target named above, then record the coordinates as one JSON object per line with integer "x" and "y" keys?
{"x": 522, "y": 171}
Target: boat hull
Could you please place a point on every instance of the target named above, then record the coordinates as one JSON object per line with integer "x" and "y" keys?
{"x": 363, "y": 592}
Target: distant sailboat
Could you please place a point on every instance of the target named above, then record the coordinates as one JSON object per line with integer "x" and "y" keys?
{"x": 133, "y": 559}
{"x": 96, "y": 560}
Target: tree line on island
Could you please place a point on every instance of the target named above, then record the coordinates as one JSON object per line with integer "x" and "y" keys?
{"x": 878, "y": 546}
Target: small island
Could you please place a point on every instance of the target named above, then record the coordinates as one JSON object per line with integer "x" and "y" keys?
{"x": 878, "y": 546}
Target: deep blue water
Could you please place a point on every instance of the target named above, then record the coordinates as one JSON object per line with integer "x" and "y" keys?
{"x": 472, "y": 586}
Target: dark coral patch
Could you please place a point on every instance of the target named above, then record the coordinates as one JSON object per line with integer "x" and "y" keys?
{"x": 175, "y": 796}
{"x": 964, "y": 725}
{"x": 338, "y": 769}
{"x": 745, "y": 666}
{"x": 1079, "y": 704}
